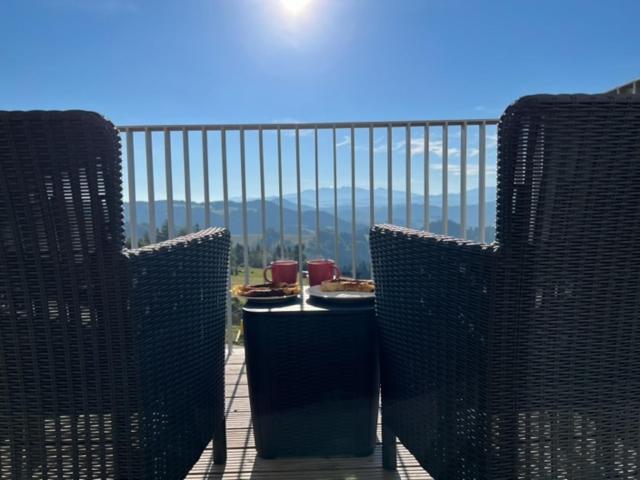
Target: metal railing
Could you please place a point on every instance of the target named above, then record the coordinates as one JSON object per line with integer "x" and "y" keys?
{"x": 631, "y": 87}
{"x": 403, "y": 153}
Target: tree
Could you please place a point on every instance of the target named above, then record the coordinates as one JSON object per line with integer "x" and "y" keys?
{"x": 163, "y": 233}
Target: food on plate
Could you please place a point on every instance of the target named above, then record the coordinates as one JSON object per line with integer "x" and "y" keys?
{"x": 347, "y": 285}
{"x": 266, "y": 290}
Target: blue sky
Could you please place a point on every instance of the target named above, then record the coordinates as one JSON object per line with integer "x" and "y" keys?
{"x": 245, "y": 61}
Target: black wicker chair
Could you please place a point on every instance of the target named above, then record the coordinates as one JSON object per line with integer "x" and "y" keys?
{"x": 521, "y": 360}
{"x": 111, "y": 361}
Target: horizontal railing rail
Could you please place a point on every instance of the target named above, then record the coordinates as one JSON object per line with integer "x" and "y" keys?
{"x": 304, "y": 126}
{"x": 422, "y": 165}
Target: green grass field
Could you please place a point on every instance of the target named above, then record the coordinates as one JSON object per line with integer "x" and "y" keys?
{"x": 255, "y": 277}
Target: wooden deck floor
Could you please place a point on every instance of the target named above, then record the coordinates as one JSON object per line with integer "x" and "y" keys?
{"x": 244, "y": 464}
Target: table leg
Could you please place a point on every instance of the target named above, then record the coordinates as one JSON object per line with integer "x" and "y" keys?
{"x": 389, "y": 461}
{"x": 220, "y": 440}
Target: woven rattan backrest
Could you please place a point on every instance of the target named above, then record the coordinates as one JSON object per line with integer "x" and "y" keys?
{"x": 61, "y": 241}
{"x": 569, "y": 226}
{"x": 569, "y": 175}
{"x": 59, "y": 186}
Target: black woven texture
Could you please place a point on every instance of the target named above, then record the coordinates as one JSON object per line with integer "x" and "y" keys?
{"x": 519, "y": 360}
{"x": 313, "y": 380}
{"x": 108, "y": 359}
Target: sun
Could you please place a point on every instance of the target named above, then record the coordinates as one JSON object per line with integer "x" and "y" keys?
{"x": 295, "y": 7}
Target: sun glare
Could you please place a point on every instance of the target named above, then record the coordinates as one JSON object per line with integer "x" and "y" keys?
{"x": 295, "y": 7}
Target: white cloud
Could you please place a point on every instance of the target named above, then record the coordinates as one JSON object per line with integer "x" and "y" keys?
{"x": 346, "y": 140}
{"x": 492, "y": 141}
{"x": 417, "y": 146}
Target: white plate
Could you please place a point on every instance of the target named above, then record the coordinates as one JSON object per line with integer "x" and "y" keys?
{"x": 316, "y": 291}
{"x": 268, "y": 300}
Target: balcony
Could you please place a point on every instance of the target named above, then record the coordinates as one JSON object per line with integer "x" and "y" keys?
{"x": 309, "y": 190}
{"x": 304, "y": 191}
{"x": 268, "y": 184}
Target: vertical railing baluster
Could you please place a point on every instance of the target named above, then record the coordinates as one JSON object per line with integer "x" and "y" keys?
{"x": 407, "y": 141}
{"x": 315, "y": 156}
{"x": 372, "y": 213}
{"x": 168, "y": 173}
{"x": 245, "y": 226}
{"x": 225, "y": 181}
{"x": 445, "y": 178}
{"x": 205, "y": 174}
{"x": 299, "y": 197}
{"x": 389, "y": 175}
{"x": 463, "y": 180}
{"x": 150, "y": 186}
{"x": 426, "y": 187}
{"x": 131, "y": 174}
{"x": 280, "y": 193}
{"x": 353, "y": 203}
{"x": 263, "y": 206}
{"x": 335, "y": 197}
{"x": 482, "y": 165}
{"x": 187, "y": 179}
{"x": 225, "y": 201}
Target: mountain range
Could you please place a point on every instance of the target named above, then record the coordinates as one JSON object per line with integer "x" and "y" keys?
{"x": 308, "y": 213}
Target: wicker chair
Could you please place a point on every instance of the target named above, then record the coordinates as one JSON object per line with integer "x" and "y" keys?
{"x": 111, "y": 361}
{"x": 521, "y": 360}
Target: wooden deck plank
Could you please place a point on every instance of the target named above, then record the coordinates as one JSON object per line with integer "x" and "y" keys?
{"x": 240, "y": 435}
{"x": 244, "y": 464}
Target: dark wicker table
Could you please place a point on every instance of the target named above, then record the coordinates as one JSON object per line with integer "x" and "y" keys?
{"x": 313, "y": 378}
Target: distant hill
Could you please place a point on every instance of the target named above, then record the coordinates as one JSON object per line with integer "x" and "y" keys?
{"x": 326, "y": 197}
{"x": 290, "y": 217}
{"x": 325, "y": 246}
{"x": 254, "y": 222}
{"x": 326, "y": 203}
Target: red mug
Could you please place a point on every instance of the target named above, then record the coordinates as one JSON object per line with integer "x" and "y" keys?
{"x": 320, "y": 270}
{"x": 282, "y": 271}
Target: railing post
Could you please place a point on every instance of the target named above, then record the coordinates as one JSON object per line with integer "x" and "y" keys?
{"x": 463, "y": 180}
{"x": 245, "y": 225}
{"x": 335, "y": 198}
{"x": 263, "y": 208}
{"x": 150, "y": 186}
{"x": 445, "y": 179}
{"x": 187, "y": 180}
{"x": 426, "y": 187}
{"x": 225, "y": 199}
{"x": 317, "y": 174}
{"x": 280, "y": 194}
{"x": 131, "y": 174}
{"x": 389, "y": 175}
{"x": 299, "y": 194}
{"x": 205, "y": 174}
{"x": 372, "y": 200}
{"x": 409, "y": 199}
{"x": 353, "y": 204}
{"x": 482, "y": 168}
{"x": 169, "y": 180}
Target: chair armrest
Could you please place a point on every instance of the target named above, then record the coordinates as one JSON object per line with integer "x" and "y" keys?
{"x": 178, "y": 308}
{"x": 433, "y": 306}
{"x": 171, "y": 278}
{"x": 439, "y": 273}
